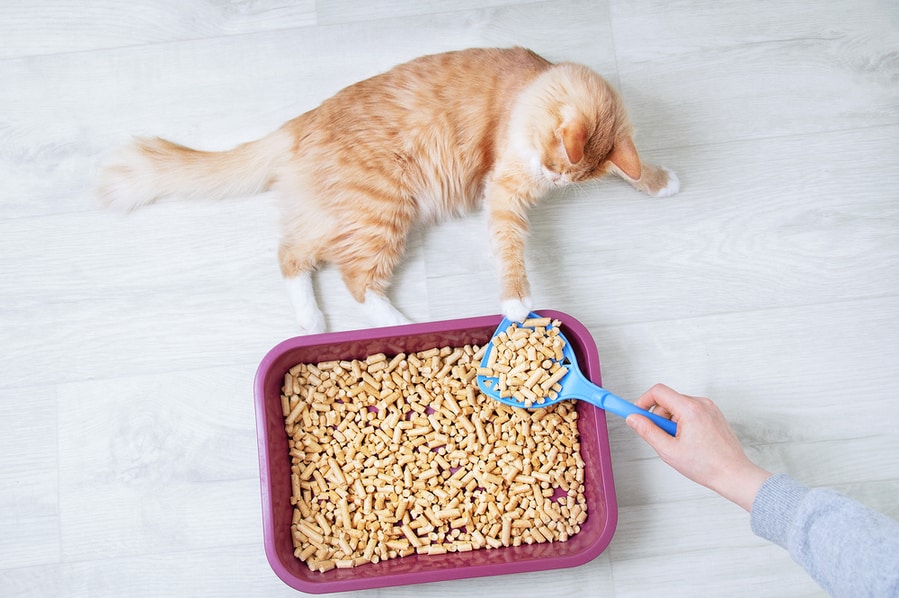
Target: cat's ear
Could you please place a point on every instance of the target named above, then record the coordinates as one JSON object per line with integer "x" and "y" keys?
{"x": 624, "y": 156}
{"x": 573, "y": 136}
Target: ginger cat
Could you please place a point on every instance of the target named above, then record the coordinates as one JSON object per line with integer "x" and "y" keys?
{"x": 431, "y": 138}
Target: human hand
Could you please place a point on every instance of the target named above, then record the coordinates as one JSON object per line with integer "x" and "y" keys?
{"x": 705, "y": 449}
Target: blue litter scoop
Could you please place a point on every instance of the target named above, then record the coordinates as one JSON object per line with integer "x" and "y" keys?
{"x": 574, "y": 385}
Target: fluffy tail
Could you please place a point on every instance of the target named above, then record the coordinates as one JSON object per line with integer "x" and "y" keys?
{"x": 151, "y": 168}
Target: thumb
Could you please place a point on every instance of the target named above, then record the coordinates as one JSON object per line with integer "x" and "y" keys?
{"x": 654, "y": 436}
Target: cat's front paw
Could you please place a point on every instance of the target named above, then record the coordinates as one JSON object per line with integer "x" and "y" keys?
{"x": 671, "y": 187}
{"x": 517, "y": 310}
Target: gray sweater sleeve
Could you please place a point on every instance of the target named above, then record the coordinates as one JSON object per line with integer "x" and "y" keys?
{"x": 849, "y": 549}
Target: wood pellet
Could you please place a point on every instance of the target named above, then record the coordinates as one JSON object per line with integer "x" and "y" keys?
{"x": 398, "y": 455}
{"x": 526, "y": 361}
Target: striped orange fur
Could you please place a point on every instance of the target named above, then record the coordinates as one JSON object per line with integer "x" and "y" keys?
{"x": 432, "y": 138}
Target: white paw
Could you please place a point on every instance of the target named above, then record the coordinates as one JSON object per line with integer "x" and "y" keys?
{"x": 517, "y": 310}
{"x": 311, "y": 323}
{"x": 302, "y": 298}
{"x": 381, "y": 312}
{"x": 671, "y": 188}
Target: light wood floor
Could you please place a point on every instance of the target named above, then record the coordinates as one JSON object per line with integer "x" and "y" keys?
{"x": 128, "y": 462}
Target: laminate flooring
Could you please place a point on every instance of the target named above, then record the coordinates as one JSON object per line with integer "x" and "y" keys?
{"x": 128, "y": 462}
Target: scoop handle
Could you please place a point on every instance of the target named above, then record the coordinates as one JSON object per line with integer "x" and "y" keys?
{"x": 623, "y": 408}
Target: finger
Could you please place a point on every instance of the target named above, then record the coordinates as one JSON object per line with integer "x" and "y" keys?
{"x": 660, "y": 411}
{"x": 666, "y": 398}
{"x": 656, "y": 409}
{"x": 654, "y": 436}
{"x": 646, "y": 400}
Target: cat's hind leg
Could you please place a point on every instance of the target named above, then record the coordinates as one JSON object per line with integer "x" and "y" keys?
{"x": 297, "y": 271}
{"x": 302, "y": 297}
{"x": 380, "y": 311}
{"x": 366, "y": 259}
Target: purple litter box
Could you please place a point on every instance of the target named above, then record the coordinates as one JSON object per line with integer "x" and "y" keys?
{"x": 274, "y": 463}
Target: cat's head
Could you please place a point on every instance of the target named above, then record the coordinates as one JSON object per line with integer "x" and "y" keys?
{"x": 574, "y": 127}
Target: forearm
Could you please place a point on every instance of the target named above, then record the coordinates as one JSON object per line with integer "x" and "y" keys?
{"x": 847, "y": 548}
{"x": 508, "y": 231}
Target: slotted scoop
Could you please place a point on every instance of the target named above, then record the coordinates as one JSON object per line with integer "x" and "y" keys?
{"x": 574, "y": 384}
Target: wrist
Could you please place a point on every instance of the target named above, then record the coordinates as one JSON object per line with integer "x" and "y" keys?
{"x": 742, "y": 484}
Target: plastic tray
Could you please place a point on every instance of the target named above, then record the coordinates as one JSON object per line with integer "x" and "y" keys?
{"x": 274, "y": 463}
